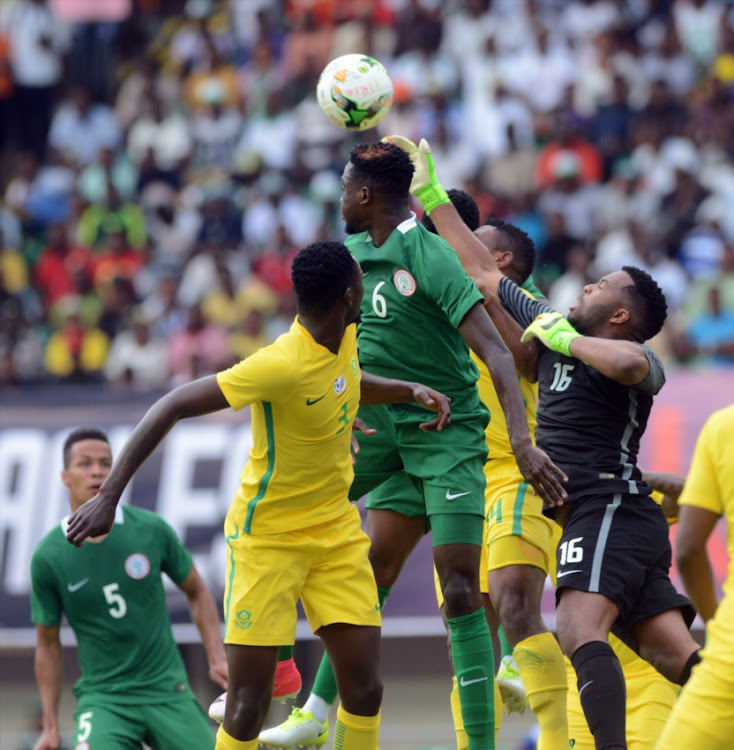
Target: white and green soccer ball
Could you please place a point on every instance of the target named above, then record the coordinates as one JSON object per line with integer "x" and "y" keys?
{"x": 355, "y": 92}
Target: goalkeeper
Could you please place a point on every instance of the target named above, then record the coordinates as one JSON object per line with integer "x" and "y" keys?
{"x": 597, "y": 380}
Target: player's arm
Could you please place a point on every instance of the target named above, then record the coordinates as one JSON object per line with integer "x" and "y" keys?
{"x": 378, "y": 390}
{"x": 478, "y": 331}
{"x": 193, "y": 399}
{"x": 477, "y": 262}
{"x": 694, "y": 528}
{"x": 49, "y": 672}
{"x": 525, "y": 355}
{"x": 205, "y": 616}
{"x": 670, "y": 485}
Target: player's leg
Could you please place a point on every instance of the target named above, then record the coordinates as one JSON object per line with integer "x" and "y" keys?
{"x": 519, "y": 538}
{"x": 341, "y": 602}
{"x": 457, "y": 565}
{"x": 103, "y": 724}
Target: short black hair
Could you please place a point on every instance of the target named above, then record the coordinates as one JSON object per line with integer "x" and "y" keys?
{"x": 321, "y": 274}
{"x": 82, "y": 433}
{"x": 648, "y": 302}
{"x": 385, "y": 166}
{"x": 464, "y": 204}
{"x": 518, "y": 243}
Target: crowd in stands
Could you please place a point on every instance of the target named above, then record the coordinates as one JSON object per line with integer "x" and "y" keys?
{"x": 162, "y": 162}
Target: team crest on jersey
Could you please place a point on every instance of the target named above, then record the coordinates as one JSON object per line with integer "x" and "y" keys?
{"x": 404, "y": 282}
{"x": 137, "y": 566}
{"x": 340, "y": 384}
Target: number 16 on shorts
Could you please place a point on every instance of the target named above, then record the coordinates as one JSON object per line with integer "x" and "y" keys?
{"x": 570, "y": 552}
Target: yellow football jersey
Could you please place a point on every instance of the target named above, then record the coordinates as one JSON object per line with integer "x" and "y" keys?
{"x": 710, "y": 485}
{"x": 304, "y": 400}
{"x": 498, "y": 440}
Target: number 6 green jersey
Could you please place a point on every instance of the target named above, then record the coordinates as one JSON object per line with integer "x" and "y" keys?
{"x": 112, "y": 595}
{"x": 416, "y": 295}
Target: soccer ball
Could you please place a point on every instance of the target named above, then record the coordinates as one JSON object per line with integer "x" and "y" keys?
{"x": 354, "y": 92}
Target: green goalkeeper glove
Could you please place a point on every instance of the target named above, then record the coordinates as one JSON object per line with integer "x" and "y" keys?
{"x": 425, "y": 185}
{"x": 552, "y": 330}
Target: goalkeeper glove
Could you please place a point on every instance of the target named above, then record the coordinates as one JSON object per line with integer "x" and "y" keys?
{"x": 425, "y": 185}
{"x": 552, "y": 330}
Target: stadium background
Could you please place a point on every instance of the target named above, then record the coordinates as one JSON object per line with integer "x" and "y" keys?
{"x": 163, "y": 161}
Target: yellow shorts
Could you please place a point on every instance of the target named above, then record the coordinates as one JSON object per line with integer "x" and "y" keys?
{"x": 326, "y": 566}
{"x": 516, "y": 532}
{"x": 650, "y": 698}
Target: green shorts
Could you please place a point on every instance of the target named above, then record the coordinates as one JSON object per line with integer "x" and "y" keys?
{"x": 102, "y": 725}
{"x": 430, "y": 474}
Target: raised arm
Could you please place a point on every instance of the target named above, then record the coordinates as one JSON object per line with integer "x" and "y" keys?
{"x": 478, "y": 331}
{"x": 205, "y": 616}
{"x": 623, "y": 361}
{"x": 193, "y": 399}
{"x": 49, "y": 672}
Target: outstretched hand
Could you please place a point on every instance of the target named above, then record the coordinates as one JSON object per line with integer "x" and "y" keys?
{"x": 94, "y": 518}
{"x": 542, "y": 474}
{"x": 435, "y": 401}
{"x": 425, "y": 185}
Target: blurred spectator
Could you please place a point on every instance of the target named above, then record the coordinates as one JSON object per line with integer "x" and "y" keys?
{"x": 116, "y": 260}
{"x": 137, "y": 361}
{"x": 162, "y": 307}
{"x": 199, "y": 349}
{"x": 551, "y": 262}
{"x": 75, "y": 352}
{"x": 38, "y": 41}
{"x": 21, "y": 345}
{"x": 250, "y": 335}
{"x": 164, "y": 137}
{"x": 273, "y": 264}
{"x": 563, "y": 293}
{"x": 80, "y": 129}
{"x": 58, "y": 264}
{"x": 216, "y": 129}
{"x": 711, "y": 333}
{"x": 109, "y": 168}
{"x": 117, "y": 299}
{"x": 698, "y": 24}
{"x": 100, "y": 221}
{"x": 511, "y": 174}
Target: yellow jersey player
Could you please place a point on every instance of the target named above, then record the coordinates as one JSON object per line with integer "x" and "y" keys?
{"x": 702, "y": 717}
{"x": 291, "y": 531}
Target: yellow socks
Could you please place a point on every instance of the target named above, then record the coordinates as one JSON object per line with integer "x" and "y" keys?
{"x": 355, "y": 732}
{"x": 543, "y": 672}
{"x": 227, "y": 742}
{"x": 462, "y": 741}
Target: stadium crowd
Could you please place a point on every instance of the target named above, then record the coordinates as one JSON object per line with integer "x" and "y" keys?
{"x": 161, "y": 167}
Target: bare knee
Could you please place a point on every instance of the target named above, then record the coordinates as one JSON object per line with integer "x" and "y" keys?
{"x": 517, "y": 601}
{"x": 460, "y": 597}
{"x": 386, "y": 566}
{"x": 246, "y": 712}
{"x": 362, "y": 698}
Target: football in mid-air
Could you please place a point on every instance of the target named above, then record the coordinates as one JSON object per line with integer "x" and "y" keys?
{"x": 355, "y": 92}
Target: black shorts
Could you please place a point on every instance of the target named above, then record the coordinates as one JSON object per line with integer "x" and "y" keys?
{"x": 618, "y": 546}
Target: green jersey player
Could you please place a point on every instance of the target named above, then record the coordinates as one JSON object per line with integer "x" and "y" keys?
{"x": 420, "y": 314}
{"x": 133, "y": 687}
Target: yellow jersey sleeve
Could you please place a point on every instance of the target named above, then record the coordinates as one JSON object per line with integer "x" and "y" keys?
{"x": 267, "y": 375}
{"x": 703, "y": 483}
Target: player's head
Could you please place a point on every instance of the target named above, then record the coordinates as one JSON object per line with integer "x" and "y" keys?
{"x": 87, "y": 462}
{"x": 326, "y": 275}
{"x": 624, "y": 304}
{"x": 377, "y": 176}
{"x": 465, "y": 206}
{"x": 511, "y": 248}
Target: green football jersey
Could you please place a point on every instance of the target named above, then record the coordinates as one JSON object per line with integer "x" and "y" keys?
{"x": 416, "y": 293}
{"x": 112, "y": 595}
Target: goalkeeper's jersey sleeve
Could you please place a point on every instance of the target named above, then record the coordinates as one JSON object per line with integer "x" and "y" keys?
{"x": 416, "y": 296}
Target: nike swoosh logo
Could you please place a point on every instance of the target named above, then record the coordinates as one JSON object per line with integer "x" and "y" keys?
{"x": 312, "y": 401}
{"x": 75, "y": 586}
{"x": 583, "y": 687}
{"x": 567, "y": 572}
{"x": 449, "y": 496}
{"x": 464, "y": 682}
